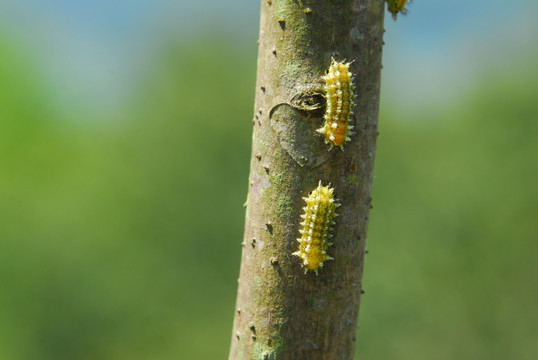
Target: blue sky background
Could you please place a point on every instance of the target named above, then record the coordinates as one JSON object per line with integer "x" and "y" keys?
{"x": 95, "y": 52}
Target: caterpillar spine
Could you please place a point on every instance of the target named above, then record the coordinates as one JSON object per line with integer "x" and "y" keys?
{"x": 316, "y": 227}
{"x": 339, "y": 94}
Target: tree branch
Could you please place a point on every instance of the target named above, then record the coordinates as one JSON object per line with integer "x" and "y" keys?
{"x": 281, "y": 312}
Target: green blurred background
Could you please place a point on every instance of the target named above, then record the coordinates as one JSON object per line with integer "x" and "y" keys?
{"x": 124, "y": 152}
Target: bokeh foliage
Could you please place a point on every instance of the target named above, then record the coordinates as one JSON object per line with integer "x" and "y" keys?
{"x": 120, "y": 239}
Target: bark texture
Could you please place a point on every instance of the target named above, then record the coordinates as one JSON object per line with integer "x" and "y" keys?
{"x": 282, "y": 313}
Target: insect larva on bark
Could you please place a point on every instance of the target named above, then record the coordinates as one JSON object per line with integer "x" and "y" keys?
{"x": 339, "y": 93}
{"x": 318, "y": 219}
{"x": 397, "y": 6}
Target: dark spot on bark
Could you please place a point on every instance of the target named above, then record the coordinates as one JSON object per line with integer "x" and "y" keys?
{"x": 309, "y": 103}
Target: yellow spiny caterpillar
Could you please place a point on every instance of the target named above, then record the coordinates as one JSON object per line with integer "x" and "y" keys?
{"x": 318, "y": 219}
{"x": 339, "y": 95}
{"x": 397, "y": 6}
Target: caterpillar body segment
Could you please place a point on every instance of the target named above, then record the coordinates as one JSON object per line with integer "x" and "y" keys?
{"x": 316, "y": 228}
{"x": 397, "y": 6}
{"x": 339, "y": 95}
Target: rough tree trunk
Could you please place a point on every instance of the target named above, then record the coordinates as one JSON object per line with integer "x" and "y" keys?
{"x": 281, "y": 312}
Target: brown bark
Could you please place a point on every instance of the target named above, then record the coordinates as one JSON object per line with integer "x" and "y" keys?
{"x": 282, "y": 313}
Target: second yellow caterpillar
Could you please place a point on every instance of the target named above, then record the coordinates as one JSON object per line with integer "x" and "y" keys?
{"x": 339, "y": 94}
